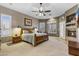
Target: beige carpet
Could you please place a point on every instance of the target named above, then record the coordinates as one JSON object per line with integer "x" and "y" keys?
{"x": 53, "y": 47}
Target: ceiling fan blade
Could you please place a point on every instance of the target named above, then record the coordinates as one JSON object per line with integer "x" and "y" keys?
{"x": 48, "y": 11}
{"x": 34, "y": 11}
{"x": 44, "y": 14}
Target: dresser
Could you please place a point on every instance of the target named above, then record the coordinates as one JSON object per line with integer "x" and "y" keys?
{"x": 73, "y": 48}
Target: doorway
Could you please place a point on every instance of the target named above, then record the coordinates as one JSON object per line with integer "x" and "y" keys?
{"x": 62, "y": 29}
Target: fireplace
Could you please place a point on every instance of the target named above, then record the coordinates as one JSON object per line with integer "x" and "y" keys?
{"x": 71, "y": 33}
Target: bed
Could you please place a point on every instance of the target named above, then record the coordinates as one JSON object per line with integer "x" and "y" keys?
{"x": 34, "y": 38}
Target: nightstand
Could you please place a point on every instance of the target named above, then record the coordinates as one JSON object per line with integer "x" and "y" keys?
{"x": 16, "y": 39}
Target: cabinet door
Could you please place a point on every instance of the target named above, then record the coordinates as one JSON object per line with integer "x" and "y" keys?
{"x": 5, "y": 25}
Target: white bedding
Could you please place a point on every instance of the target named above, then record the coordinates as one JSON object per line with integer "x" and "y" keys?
{"x": 28, "y": 37}
{"x": 40, "y": 34}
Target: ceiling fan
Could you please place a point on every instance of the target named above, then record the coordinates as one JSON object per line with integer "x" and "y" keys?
{"x": 40, "y": 11}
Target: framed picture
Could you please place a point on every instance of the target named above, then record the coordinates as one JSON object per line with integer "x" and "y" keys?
{"x": 27, "y": 22}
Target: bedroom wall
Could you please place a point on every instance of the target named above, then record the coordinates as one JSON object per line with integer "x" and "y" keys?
{"x": 17, "y": 17}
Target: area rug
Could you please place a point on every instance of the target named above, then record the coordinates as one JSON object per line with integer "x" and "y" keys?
{"x": 9, "y": 43}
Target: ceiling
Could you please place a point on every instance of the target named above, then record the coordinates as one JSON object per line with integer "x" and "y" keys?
{"x": 27, "y": 8}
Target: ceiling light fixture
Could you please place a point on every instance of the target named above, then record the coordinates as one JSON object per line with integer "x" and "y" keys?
{"x": 40, "y": 11}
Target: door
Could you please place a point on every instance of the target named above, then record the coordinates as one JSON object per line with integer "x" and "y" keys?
{"x": 62, "y": 29}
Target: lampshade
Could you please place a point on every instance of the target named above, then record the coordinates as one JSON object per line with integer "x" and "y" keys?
{"x": 36, "y": 30}
{"x": 16, "y": 32}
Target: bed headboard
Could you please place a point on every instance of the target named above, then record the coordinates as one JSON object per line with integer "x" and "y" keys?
{"x": 30, "y": 30}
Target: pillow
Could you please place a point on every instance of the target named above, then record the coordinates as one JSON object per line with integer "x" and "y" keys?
{"x": 31, "y": 31}
{"x": 25, "y": 31}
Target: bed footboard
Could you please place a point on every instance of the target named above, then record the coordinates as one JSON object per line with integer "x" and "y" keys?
{"x": 40, "y": 39}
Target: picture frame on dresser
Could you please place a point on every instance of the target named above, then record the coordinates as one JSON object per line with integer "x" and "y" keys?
{"x": 27, "y": 22}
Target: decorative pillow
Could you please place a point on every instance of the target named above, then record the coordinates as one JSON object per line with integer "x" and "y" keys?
{"x": 31, "y": 31}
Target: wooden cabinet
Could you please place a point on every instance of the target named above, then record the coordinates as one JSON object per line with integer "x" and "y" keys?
{"x": 73, "y": 48}
{"x": 16, "y": 39}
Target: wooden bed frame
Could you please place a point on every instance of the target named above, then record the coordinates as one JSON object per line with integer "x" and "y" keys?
{"x": 38, "y": 39}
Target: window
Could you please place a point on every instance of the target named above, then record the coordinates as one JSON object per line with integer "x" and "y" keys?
{"x": 42, "y": 26}
{"x": 5, "y": 25}
{"x": 52, "y": 28}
